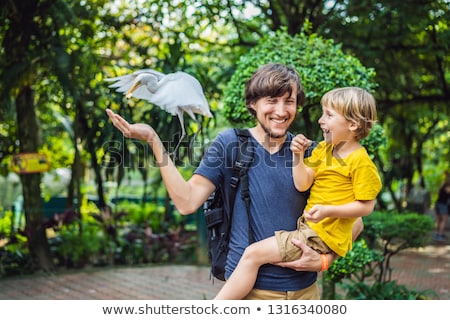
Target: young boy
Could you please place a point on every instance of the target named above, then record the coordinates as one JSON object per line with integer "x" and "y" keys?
{"x": 344, "y": 185}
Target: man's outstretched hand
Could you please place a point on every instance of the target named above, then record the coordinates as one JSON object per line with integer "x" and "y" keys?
{"x": 138, "y": 131}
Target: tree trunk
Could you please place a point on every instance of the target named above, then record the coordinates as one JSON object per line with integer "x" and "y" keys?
{"x": 328, "y": 289}
{"x": 28, "y": 134}
{"x": 83, "y": 129}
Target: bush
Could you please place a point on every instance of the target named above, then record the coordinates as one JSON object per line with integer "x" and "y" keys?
{"x": 366, "y": 268}
{"x": 384, "y": 291}
{"x": 321, "y": 63}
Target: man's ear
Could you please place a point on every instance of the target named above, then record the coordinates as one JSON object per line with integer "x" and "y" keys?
{"x": 251, "y": 108}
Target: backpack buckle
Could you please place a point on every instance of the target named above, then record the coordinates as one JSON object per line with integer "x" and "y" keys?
{"x": 239, "y": 165}
{"x": 234, "y": 182}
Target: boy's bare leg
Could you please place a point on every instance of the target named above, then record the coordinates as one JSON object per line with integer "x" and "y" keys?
{"x": 243, "y": 277}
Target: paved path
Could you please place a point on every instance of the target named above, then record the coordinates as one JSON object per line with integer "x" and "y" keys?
{"x": 427, "y": 268}
{"x": 424, "y": 269}
{"x": 175, "y": 282}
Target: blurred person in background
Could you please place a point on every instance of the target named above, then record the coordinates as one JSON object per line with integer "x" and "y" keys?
{"x": 442, "y": 208}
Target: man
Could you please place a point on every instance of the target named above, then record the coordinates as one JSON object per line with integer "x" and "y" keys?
{"x": 272, "y": 96}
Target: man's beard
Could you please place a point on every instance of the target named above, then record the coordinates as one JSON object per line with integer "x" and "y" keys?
{"x": 270, "y": 133}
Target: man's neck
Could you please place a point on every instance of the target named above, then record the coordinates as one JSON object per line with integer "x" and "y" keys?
{"x": 271, "y": 144}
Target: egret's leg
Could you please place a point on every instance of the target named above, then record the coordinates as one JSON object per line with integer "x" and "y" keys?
{"x": 183, "y": 134}
{"x": 199, "y": 124}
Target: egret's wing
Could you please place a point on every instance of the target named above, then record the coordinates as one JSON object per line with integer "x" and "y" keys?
{"x": 174, "y": 91}
{"x": 124, "y": 83}
{"x": 181, "y": 90}
{"x": 130, "y": 77}
{"x": 157, "y": 74}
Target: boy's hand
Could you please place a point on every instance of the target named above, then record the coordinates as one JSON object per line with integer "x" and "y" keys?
{"x": 300, "y": 144}
{"x": 317, "y": 213}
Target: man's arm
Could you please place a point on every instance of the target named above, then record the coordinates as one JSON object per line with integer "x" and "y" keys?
{"x": 187, "y": 196}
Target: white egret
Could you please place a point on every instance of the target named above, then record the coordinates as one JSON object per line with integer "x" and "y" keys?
{"x": 175, "y": 93}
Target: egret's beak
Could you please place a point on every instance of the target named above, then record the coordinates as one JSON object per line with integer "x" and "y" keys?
{"x": 131, "y": 90}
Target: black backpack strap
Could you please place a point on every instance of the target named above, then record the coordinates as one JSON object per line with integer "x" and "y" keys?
{"x": 241, "y": 164}
{"x": 245, "y": 156}
{"x": 218, "y": 216}
{"x": 236, "y": 176}
{"x": 243, "y": 160}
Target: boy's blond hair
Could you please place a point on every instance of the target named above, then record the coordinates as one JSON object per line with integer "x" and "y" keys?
{"x": 356, "y": 105}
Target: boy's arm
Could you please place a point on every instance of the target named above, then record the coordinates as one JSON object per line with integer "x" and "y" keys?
{"x": 355, "y": 209}
{"x": 303, "y": 175}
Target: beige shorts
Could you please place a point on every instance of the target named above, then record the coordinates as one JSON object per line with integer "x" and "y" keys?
{"x": 310, "y": 293}
{"x": 304, "y": 233}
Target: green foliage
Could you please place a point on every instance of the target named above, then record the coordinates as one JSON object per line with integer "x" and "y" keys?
{"x": 365, "y": 272}
{"x": 384, "y": 291}
{"x": 134, "y": 234}
{"x": 15, "y": 259}
{"x": 375, "y": 140}
{"x": 6, "y": 220}
{"x": 14, "y": 253}
{"x": 397, "y": 231}
{"x": 150, "y": 213}
{"x": 321, "y": 64}
{"x": 79, "y": 244}
{"x": 392, "y": 232}
{"x": 357, "y": 260}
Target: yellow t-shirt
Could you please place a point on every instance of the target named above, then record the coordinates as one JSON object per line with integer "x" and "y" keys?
{"x": 340, "y": 181}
